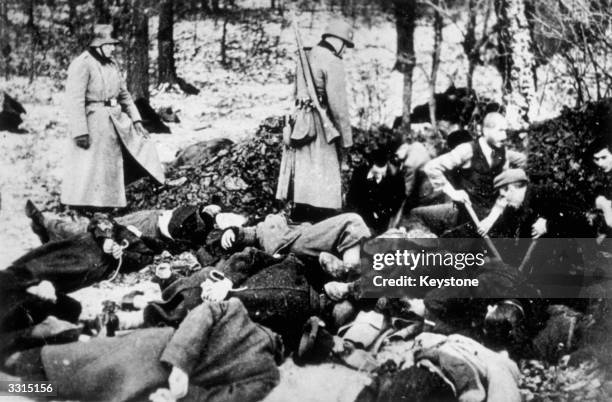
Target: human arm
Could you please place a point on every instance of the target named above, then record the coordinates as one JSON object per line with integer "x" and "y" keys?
{"x": 413, "y": 157}
{"x": 516, "y": 160}
{"x": 605, "y": 206}
{"x": 554, "y": 214}
{"x": 335, "y": 91}
{"x": 496, "y": 211}
{"x": 436, "y": 169}
{"x": 238, "y": 237}
{"x": 127, "y": 104}
{"x": 76, "y": 89}
{"x": 191, "y": 337}
{"x": 105, "y": 233}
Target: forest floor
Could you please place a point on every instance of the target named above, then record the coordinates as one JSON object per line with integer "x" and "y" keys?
{"x": 231, "y": 104}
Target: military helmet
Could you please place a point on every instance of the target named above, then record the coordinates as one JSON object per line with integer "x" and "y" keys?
{"x": 102, "y": 35}
{"x": 340, "y": 29}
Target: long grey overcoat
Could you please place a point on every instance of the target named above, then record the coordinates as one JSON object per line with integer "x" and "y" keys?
{"x": 118, "y": 154}
{"x": 314, "y": 169}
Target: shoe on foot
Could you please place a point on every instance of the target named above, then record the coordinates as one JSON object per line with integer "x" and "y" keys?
{"x": 38, "y": 221}
{"x": 333, "y": 265}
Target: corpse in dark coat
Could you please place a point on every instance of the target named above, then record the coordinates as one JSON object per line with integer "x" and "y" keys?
{"x": 79, "y": 261}
{"x": 188, "y": 226}
{"x": 226, "y": 355}
{"x": 277, "y": 293}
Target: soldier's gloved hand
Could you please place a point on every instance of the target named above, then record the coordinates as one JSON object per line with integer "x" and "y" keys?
{"x": 538, "y": 228}
{"x": 215, "y": 290}
{"x": 110, "y": 247}
{"x": 227, "y": 239}
{"x": 178, "y": 383}
{"x": 82, "y": 141}
{"x": 162, "y": 395}
{"x": 45, "y": 290}
{"x": 141, "y": 130}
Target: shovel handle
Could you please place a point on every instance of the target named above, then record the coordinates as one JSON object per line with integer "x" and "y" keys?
{"x": 528, "y": 255}
{"x": 486, "y": 237}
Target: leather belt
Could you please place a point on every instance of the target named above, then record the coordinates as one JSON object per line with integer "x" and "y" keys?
{"x": 107, "y": 102}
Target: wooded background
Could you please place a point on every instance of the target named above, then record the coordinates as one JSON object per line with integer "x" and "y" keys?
{"x": 513, "y": 36}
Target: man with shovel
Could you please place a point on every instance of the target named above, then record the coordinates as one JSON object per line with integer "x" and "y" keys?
{"x": 475, "y": 165}
{"x": 536, "y": 213}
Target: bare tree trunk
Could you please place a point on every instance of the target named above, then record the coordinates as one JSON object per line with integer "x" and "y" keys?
{"x": 223, "y": 43}
{"x": 215, "y": 6}
{"x": 435, "y": 64}
{"x": 33, "y": 37}
{"x": 138, "y": 50}
{"x": 405, "y": 16}
{"x": 517, "y": 61}
{"x": 102, "y": 12}
{"x": 165, "y": 40}
{"x": 206, "y": 7}
{"x": 72, "y": 17}
{"x": 5, "y": 46}
{"x": 166, "y": 67}
{"x": 469, "y": 43}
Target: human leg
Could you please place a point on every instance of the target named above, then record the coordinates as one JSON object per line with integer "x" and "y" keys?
{"x": 437, "y": 218}
{"x": 334, "y": 235}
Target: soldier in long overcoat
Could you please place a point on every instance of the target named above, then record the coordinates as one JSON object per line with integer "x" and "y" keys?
{"x": 315, "y": 172}
{"x": 110, "y": 148}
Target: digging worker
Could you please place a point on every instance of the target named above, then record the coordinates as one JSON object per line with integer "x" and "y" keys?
{"x": 474, "y": 166}
{"x": 110, "y": 147}
{"x": 315, "y": 169}
{"x": 536, "y": 211}
{"x": 375, "y": 192}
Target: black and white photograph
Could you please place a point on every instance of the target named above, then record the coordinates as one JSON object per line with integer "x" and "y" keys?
{"x": 306, "y": 200}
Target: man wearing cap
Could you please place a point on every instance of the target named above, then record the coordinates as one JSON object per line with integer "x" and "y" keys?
{"x": 536, "y": 211}
{"x": 110, "y": 147}
{"x": 600, "y": 151}
{"x": 316, "y": 175}
{"x": 475, "y": 165}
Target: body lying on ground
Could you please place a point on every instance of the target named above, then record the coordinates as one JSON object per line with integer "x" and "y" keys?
{"x": 216, "y": 354}
{"x": 180, "y": 229}
{"x": 87, "y": 258}
{"x": 336, "y": 236}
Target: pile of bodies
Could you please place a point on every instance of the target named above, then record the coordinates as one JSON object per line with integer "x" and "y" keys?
{"x": 281, "y": 288}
